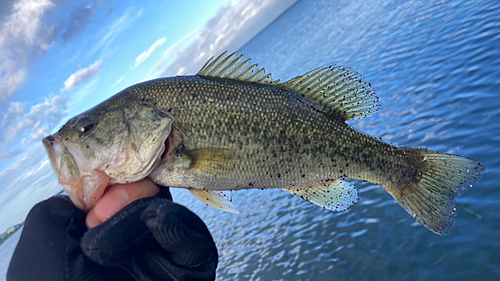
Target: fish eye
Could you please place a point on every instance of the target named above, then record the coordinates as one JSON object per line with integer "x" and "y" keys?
{"x": 84, "y": 125}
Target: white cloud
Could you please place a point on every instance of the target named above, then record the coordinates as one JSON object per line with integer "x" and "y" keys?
{"x": 79, "y": 19}
{"x": 169, "y": 54}
{"x": 31, "y": 178}
{"x": 82, "y": 75}
{"x": 31, "y": 126}
{"x": 24, "y": 23}
{"x": 113, "y": 30}
{"x": 142, "y": 57}
{"x": 13, "y": 79}
{"x": 10, "y": 154}
{"x": 118, "y": 81}
{"x": 33, "y": 157}
{"x": 24, "y": 184}
{"x": 22, "y": 37}
{"x": 229, "y": 29}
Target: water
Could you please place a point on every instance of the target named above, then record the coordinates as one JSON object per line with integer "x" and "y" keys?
{"x": 6, "y": 250}
{"x": 435, "y": 66}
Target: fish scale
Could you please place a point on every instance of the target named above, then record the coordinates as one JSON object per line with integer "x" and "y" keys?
{"x": 290, "y": 141}
{"x": 233, "y": 127}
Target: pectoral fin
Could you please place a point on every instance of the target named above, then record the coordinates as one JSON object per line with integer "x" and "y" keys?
{"x": 336, "y": 195}
{"x": 212, "y": 160}
{"x": 215, "y": 199}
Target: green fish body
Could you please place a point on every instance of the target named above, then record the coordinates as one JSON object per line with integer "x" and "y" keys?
{"x": 232, "y": 127}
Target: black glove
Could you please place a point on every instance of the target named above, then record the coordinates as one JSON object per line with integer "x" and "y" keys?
{"x": 149, "y": 239}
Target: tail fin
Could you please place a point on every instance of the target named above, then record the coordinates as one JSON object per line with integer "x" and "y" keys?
{"x": 431, "y": 200}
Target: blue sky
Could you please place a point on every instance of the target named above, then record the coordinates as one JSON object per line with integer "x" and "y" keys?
{"x": 59, "y": 58}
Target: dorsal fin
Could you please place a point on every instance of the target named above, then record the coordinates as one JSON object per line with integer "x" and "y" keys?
{"x": 338, "y": 87}
{"x": 237, "y": 68}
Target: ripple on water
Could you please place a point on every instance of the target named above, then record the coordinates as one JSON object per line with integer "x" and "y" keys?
{"x": 434, "y": 65}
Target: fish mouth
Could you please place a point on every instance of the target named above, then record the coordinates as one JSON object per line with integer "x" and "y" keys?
{"x": 84, "y": 186}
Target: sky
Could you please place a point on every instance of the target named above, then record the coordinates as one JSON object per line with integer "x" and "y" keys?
{"x": 59, "y": 58}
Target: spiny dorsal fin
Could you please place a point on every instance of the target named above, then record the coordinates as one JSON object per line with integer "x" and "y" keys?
{"x": 336, "y": 195}
{"x": 338, "y": 87}
{"x": 237, "y": 68}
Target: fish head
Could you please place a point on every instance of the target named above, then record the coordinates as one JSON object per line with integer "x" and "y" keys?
{"x": 107, "y": 145}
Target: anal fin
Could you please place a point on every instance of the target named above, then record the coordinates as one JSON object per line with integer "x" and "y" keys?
{"x": 336, "y": 195}
{"x": 215, "y": 199}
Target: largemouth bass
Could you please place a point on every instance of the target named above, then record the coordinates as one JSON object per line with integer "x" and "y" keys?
{"x": 233, "y": 127}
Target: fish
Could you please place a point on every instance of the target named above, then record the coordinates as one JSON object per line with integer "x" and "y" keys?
{"x": 232, "y": 126}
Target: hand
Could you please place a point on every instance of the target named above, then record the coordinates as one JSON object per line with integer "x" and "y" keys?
{"x": 119, "y": 196}
{"x": 148, "y": 239}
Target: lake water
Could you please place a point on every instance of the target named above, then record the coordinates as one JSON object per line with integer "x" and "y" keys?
{"x": 436, "y": 68}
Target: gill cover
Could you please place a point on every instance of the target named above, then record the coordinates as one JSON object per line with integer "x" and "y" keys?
{"x": 107, "y": 145}
{"x": 148, "y": 129}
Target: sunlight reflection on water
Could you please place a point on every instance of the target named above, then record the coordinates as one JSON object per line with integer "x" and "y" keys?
{"x": 434, "y": 66}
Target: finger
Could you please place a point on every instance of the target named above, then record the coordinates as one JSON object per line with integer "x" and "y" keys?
{"x": 115, "y": 242}
{"x": 181, "y": 233}
{"x": 118, "y": 197}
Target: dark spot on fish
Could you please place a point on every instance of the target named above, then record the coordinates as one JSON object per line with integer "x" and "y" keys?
{"x": 303, "y": 175}
{"x": 250, "y": 184}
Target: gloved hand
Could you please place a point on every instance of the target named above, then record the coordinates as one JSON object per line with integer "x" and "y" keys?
{"x": 149, "y": 239}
